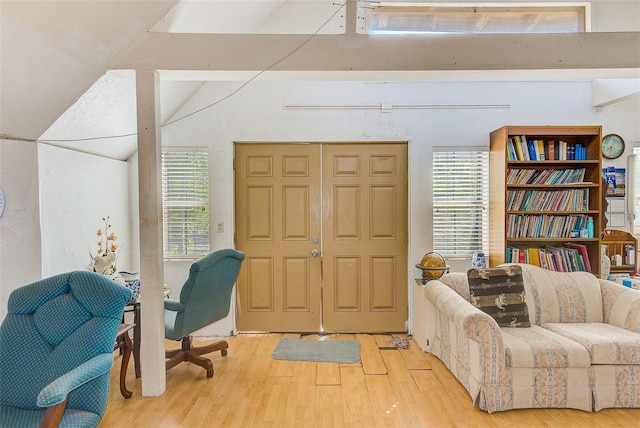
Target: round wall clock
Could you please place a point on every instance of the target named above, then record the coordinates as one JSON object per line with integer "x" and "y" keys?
{"x": 612, "y": 146}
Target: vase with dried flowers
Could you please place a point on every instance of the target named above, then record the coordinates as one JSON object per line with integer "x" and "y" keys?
{"x": 106, "y": 259}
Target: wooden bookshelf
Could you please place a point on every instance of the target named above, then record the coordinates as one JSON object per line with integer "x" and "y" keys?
{"x": 537, "y": 198}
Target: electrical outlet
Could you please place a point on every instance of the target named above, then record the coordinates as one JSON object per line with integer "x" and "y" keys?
{"x": 220, "y": 227}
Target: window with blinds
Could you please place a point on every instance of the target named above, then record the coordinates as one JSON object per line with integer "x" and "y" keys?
{"x": 185, "y": 202}
{"x": 460, "y": 201}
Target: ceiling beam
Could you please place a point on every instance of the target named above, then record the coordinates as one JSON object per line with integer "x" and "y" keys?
{"x": 358, "y": 52}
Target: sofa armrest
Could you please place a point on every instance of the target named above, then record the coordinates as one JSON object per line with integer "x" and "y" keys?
{"x": 476, "y": 325}
{"x": 621, "y": 305}
{"x": 56, "y": 392}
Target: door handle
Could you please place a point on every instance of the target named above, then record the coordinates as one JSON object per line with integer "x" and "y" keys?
{"x": 315, "y": 253}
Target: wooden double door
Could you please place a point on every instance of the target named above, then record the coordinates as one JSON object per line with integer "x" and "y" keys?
{"x": 324, "y": 230}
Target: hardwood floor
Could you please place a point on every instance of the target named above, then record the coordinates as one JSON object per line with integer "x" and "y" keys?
{"x": 388, "y": 388}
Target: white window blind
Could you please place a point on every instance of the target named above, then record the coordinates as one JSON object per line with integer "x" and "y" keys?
{"x": 185, "y": 202}
{"x": 460, "y": 201}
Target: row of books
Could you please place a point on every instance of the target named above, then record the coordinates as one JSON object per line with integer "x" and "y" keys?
{"x": 570, "y": 258}
{"x": 545, "y": 176}
{"x": 522, "y": 149}
{"x": 544, "y": 225}
{"x": 548, "y": 200}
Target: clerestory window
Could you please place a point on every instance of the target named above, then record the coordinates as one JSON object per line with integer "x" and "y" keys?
{"x": 466, "y": 18}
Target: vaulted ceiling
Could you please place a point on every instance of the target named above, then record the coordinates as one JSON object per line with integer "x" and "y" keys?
{"x": 67, "y": 67}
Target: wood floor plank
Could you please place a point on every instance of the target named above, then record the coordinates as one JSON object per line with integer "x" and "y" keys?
{"x": 434, "y": 401}
{"x": 371, "y": 359}
{"x": 329, "y": 406}
{"x": 302, "y": 392}
{"x": 249, "y": 390}
{"x": 385, "y": 405}
{"x": 357, "y": 406}
{"x": 275, "y": 393}
{"x": 396, "y": 366}
{"x": 414, "y": 357}
{"x": 328, "y": 374}
{"x": 382, "y": 340}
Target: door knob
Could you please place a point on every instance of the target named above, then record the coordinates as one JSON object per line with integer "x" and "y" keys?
{"x": 315, "y": 253}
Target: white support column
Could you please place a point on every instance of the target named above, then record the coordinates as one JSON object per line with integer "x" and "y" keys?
{"x": 151, "y": 262}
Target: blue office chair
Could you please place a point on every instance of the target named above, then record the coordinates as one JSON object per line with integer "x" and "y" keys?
{"x": 205, "y": 298}
{"x": 56, "y": 350}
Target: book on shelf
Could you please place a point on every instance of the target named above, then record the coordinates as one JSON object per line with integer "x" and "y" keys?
{"x": 520, "y": 148}
{"x": 540, "y": 148}
{"x": 533, "y": 152}
{"x": 583, "y": 252}
{"x": 547, "y": 200}
{"x": 525, "y": 147}
{"x": 543, "y": 225}
{"x": 545, "y": 176}
{"x": 569, "y": 258}
{"x": 512, "y": 155}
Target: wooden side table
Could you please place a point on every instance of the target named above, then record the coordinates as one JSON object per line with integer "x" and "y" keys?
{"x": 123, "y": 343}
{"x": 137, "y": 334}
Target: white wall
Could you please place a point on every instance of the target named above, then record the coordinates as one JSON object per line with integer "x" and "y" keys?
{"x": 624, "y": 116}
{"x": 77, "y": 191}
{"x": 614, "y": 15}
{"x": 20, "y": 255}
{"x": 257, "y": 113}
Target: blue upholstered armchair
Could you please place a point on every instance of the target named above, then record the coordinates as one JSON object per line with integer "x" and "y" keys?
{"x": 56, "y": 350}
{"x": 205, "y": 298}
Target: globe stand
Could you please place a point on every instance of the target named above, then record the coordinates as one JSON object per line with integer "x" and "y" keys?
{"x": 430, "y": 273}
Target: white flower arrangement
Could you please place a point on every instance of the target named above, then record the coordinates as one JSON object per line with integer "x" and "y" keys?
{"x": 106, "y": 259}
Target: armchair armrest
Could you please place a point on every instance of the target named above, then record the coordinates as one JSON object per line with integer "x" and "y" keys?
{"x": 621, "y": 305}
{"x": 476, "y": 325}
{"x": 56, "y": 392}
{"x": 174, "y": 305}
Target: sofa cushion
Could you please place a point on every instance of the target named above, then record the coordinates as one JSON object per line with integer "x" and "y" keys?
{"x": 500, "y": 293}
{"x": 606, "y": 344}
{"x": 561, "y": 296}
{"x": 537, "y": 347}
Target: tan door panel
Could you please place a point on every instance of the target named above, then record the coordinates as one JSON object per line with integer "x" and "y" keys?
{"x": 277, "y": 216}
{"x": 365, "y": 237}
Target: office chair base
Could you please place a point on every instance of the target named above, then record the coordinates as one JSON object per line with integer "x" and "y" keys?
{"x": 193, "y": 354}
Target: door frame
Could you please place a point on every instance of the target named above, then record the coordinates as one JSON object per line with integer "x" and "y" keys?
{"x": 409, "y": 267}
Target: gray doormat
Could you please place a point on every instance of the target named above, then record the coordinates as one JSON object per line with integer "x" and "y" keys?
{"x": 329, "y": 351}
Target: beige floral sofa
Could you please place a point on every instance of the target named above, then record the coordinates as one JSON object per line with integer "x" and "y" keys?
{"x": 581, "y": 351}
